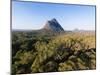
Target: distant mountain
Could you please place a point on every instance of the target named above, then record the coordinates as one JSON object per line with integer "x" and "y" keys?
{"x": 53, "y": 25}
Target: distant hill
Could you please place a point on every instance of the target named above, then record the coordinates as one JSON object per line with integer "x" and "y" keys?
{"x": 52, "y": 27}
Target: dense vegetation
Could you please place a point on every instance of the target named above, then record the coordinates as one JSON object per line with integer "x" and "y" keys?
{"x": 32, "y": 53}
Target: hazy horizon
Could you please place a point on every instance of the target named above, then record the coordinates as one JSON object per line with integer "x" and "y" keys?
{"x": 64, "y": 29}
{"x": 33, "y": 15}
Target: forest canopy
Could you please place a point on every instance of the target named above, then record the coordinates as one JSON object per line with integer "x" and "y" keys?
{"x": 33, "y": 53}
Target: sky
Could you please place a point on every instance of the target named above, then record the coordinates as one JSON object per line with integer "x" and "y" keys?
{"x": 33, "y": 15}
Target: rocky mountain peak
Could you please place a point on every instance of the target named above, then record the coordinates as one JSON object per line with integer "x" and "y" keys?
{"x": 53, "y": 25}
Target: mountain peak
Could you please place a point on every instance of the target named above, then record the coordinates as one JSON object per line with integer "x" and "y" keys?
{"x": 53, "y": 20}
{"x": 53, "y": 25}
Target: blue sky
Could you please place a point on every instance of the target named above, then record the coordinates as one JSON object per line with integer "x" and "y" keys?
{"x": 32, "y": 15}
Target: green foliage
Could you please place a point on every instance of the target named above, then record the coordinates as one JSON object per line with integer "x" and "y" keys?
{"x": 32, "y": 53}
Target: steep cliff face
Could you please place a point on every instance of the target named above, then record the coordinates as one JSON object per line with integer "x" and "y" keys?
{"x": 53, "y": 25}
